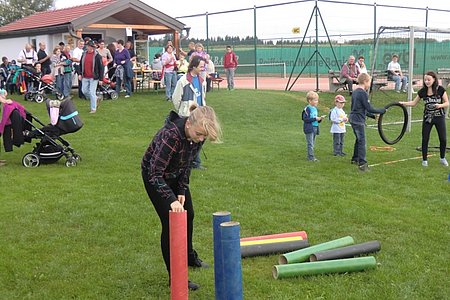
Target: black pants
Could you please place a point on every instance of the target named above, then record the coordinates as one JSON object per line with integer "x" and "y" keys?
{"x": 162, "y": 209}
{"x": 439, "y": 123}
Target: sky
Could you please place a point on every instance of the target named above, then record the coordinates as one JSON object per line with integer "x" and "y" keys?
{"x": 278, "y": 21}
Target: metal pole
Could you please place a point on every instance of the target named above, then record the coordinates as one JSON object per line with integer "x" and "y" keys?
{"x": 317, "y": 48}
{"x": 411, "y": 73}
{"x": 425, "y": 45}
{"x": 255, "y": 45}
{"x": 374, "y": 29}
{"x": 207, "y": 33}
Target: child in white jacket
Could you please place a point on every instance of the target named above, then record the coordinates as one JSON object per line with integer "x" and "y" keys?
{"x": 338, "y": 118}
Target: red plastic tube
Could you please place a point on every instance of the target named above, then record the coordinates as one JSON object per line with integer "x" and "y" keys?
{"x": 275, "y": 236}
{"x": 178, "y": 255}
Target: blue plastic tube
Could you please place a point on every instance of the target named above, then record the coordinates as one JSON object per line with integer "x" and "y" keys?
{"x": 231, "y": 251}
{"x": 218, "y": 218}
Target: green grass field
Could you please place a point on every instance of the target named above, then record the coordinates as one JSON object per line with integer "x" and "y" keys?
{"x": 90, "y": 232}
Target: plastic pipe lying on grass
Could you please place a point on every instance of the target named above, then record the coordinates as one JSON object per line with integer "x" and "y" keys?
{"x": 231, "y": 252}
{"x": 272, "y": 248}
{"x": 276, "y": 236}
{"x": 347, "y": 252}
{"x": 324, "y": 267}
{"x": 303, "y": 254}
{"x": 178, "y": 255}
{"x": 219, "y": 218}
{"x": 272, "y": 241}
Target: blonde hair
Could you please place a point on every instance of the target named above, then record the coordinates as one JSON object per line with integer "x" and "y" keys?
{"x": 311, "y": 96}
{"x": 206, "y": 117}
{"x": 363, "y": 77}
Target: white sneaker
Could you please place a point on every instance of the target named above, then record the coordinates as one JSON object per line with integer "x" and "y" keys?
{"x": 424, "y": 163}
{"x": 444, "y": 162}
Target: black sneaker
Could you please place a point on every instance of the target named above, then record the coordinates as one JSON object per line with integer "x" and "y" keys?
{"x": 193, "y": 286}
{"x": 364, "y": 167}
{"x": 194, "y": 261}
{"x": 354, "y": 162}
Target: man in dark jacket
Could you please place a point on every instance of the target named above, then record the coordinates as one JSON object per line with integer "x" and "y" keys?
{"x": 91, "y": 73}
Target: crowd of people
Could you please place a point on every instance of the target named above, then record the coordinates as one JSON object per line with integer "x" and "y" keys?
{"x": 116, "y": 60}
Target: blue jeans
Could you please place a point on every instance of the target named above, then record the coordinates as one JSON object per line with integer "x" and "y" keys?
{"x": 170, "y": 80}
{"x": 59, "y": 80}
{"x": 310, "y": 139}
{"x": 89, "y": 87}
{"x": 338, "y": 143}
{"x": 126, "y": 83}
{"x": 67, "y": 84}
{"x": 359, "y": 150}
{"x": 230, "y": 78}
{"x": 398, "y": 80}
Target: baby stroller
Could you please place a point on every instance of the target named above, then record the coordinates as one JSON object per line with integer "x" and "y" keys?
{"x": 107, "y": 89}
{"x": 51, "y": 146}
{"x": 40, "y": 86}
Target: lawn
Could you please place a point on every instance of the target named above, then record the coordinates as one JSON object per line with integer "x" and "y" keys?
{"x": 90, "y": 231}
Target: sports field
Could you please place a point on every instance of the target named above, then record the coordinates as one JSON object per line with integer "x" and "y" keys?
{"x": 90, "y": 232}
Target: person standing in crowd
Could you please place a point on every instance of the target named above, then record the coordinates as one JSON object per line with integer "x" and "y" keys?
{"x": 230, "y": 63}
{"x": 57, "y": 68}
{"x": 169, "y": 63}
{"x": 191, "y": 91}
{"x": 105, "y": 53}
{"x": 27, "y": 57}
{"x": 133, "y": 59}
{"x": 349, "y": 73}
{"x": 76, "y": 57}
{"x": 44, "y": 59}
{"x": 112, "y": 49}
{"x": 187, "y": 55}
{"x": 436, "y": 100}
{"x": 338, "y": 118}
{"x": 166, "y": 168}
{"x": 311, "y": 120}
{"x": 360, "y": 108}
{"x": 91, "y": 69}
{"x": 210, "y": 72}
{"x": 182, "y": 66}
{"x": 395, "y": 73}
{"x": 124, "y": 70}
{"x": 66, "y": 61}
{"x": 361, "y": 64}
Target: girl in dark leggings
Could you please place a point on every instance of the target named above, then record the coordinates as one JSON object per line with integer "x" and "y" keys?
{"x": 166, "y": 167}
{"x": 436, "y": 100}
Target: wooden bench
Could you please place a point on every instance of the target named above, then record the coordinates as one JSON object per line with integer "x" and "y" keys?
{"x": 444, "y": 75}
{"x": 381, "y": 78}
{"x": 334, "y": 81}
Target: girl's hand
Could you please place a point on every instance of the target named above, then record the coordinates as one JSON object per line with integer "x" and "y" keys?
{"x": 181, "y": 199}
{"x": 176, "y": 206}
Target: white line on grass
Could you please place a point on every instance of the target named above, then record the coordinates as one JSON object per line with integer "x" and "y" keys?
{"x": 398, "y": 160}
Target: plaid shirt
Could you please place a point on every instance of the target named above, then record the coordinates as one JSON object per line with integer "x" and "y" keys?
{"x": 169, "y": 157}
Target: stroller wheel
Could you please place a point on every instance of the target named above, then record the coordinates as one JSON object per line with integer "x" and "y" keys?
{"x": 77, "y": 157}
{"x": 39, "y": 98}
{"x": 71, "y": 162}
{"x": 114, "y": 95}
{"x": 99, "y": 96}
{"x": 59, "y": 96}
{"x": 28, "y": 96}
{"x": 30, "y": 160}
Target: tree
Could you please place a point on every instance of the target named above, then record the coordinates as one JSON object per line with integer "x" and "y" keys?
{"x": 12, "y": 10}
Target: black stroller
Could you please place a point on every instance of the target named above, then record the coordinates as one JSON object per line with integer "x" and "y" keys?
{"x": 40, "y": 86}
{"x": 51, "y": 146}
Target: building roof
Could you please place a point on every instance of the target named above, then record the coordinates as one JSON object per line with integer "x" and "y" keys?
{"x": 55, "y": 17}
{"x": 104, "y": 12}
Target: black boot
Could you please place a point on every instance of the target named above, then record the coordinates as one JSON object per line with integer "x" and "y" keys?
{"x": 194, "y": 261}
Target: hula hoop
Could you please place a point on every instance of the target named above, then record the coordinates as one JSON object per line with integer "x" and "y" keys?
{"x": 433, "y": 149}
{"x": 405, "y": 124}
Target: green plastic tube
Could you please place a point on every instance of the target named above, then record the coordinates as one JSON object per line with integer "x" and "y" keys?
{"x": 324, "y": 267}
{"x": 303, "y": 254}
